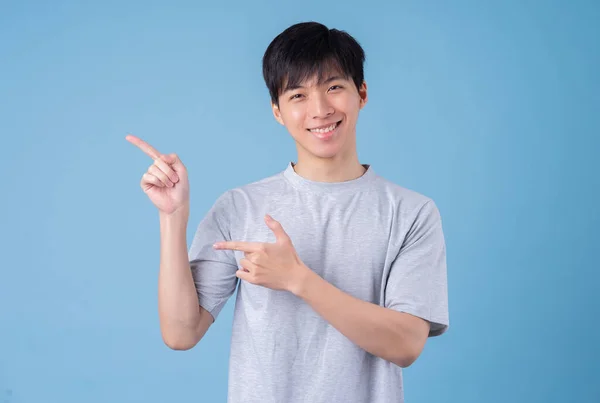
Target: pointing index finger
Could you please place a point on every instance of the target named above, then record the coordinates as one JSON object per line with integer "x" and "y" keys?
{"x": 142, "y": 145}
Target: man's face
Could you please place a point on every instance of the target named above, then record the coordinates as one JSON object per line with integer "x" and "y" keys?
{"x": 322, "y": 117}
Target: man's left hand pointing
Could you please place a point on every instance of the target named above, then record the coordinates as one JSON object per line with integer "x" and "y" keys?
{"x": 272, "y": 265}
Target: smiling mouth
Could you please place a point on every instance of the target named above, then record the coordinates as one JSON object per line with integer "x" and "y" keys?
{"x": 325, "y": 129}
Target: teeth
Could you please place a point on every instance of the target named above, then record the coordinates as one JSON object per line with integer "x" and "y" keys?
{"x": 325, "y": 130}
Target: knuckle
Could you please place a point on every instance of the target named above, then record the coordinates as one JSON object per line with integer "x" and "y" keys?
{"x": 159, "y": 163}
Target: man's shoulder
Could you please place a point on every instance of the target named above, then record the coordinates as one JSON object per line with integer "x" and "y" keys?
{"x": 399, "y": 194}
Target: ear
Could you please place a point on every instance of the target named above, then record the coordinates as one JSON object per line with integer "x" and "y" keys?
{"x": 277, "y": 113}
{"x": 362, "y": 92}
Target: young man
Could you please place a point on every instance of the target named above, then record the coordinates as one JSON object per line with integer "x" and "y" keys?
{"x": 341, "y": 273}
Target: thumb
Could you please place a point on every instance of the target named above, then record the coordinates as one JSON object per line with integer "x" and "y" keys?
{"x": 277, "y": 228}
{"x": 173, "y": 160}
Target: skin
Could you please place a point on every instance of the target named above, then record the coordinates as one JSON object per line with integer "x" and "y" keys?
{"x": 183, "y": 322}
{"x": 314, "y": 105}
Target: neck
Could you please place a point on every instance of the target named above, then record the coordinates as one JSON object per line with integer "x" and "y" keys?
{"x": 336, "y": 169}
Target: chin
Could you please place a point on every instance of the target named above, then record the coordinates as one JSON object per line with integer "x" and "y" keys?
{"x": 324, "y": 152}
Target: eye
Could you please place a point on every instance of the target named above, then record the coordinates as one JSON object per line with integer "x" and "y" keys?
{"x": 295, "y": 96}
{"x": 335, "y": 87}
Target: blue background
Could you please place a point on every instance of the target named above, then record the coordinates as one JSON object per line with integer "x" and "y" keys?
{"x": 491, "y": 109}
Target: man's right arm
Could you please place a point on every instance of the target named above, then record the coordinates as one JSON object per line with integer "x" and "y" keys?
{"x": 183, "y": 322}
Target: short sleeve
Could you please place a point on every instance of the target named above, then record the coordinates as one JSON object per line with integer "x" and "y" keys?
{"x": 417, "y": 282}
{"x": 213, "y": 270}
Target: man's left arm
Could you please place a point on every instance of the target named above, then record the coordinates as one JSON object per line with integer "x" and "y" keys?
{"x": 395, "y": 336}
{"x": 415, "y": 305}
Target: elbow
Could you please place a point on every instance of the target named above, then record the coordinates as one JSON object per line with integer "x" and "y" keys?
{"x": 179, "y": 346}
{"x": 408, "y": 345}
{"x": 404, "y": 361}
{"x": 179, "y": 343}
{"x": 404, "y": 357}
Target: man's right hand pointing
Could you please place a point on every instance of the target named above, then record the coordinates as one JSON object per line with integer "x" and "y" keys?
{"x": 166, "y": 180}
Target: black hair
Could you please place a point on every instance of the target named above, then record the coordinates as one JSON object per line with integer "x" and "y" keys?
{"x": 310, "y": 49}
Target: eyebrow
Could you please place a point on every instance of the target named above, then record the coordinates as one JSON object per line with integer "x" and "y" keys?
{"x": 327, "y": 81}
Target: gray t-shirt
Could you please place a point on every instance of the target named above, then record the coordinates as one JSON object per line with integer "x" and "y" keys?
{"x": 369, "y": 237}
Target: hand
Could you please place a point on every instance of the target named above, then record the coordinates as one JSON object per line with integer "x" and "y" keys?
{"x": 166, "y": 181}
{"x": 272, "y": 265}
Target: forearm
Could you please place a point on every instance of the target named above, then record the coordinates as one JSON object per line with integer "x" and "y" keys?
{"x": 177, "y": 299}
{"x": 388, "y": 334}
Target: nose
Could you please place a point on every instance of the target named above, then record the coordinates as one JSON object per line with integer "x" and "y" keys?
{"x": 320, "y": 107}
